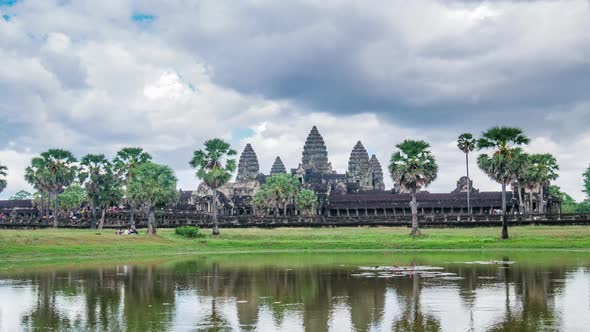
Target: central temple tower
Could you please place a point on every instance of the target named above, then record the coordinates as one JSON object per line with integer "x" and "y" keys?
{"x": 315, "y": 153}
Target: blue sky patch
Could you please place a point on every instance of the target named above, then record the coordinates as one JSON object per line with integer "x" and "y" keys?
{"x": 6, "y": 17}
{"x": 141, "y": 17}
{"x": 8, "y": 2}
{"x": 241, "y": 133}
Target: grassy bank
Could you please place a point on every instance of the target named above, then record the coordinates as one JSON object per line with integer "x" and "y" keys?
{"x": 61, "y": 244}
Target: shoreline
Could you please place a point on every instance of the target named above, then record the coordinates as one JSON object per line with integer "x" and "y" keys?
{"x": 32, "y": 247}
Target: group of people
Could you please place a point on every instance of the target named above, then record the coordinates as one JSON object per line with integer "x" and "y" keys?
{"x": 129, "y": 231}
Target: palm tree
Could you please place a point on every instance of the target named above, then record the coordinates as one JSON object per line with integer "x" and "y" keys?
{"x": 518, "y": 166}
{"x": 466, "y": 143}
{"x": 307, "y": 202}
{"x": 413, "y": 167}
{"x": 502, "y": 141}
{"x": 154, "y": 186}
{"x": 543, "y": 168}
{"x": 215, "y": 168}
{"x": 3, "y": 173}
{"x": 126, "y": 163}
{"x": 61, "y": 172}
{"x": 38, "y": 175}
{"x": 93, "y": 168}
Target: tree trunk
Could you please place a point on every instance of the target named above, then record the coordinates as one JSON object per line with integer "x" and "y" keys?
{"x": 93, "y": 213}
{"x": 152, "y": 220}
{"x": 55, "y": 210}
{"x": 504, "y": 225}
{"x": 531, "y": 210}
{"x": 520, "y": 202}
{"x": 102, "y": 216}
{"x": 131, "y": 216}
{"x": 215, "y": 224}
{"x": 541, "y": 200}
{"x": 468, "y": 183}
{"x": 42, "y": 205}
{"x": 414, "y": 206}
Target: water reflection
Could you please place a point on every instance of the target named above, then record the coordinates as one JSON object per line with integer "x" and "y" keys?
{"x": 283, "y": 293}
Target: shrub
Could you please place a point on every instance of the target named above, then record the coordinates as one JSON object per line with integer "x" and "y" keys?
{"x": 188, "y": 231}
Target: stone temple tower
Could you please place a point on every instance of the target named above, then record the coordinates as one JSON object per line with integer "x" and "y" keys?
{"x": 315, "y": 153}
{"x": 376, "y": 173}
{"x": 248, "y": 167}
{"x": 359, "y": 167}
{"x": 278, "y": 167}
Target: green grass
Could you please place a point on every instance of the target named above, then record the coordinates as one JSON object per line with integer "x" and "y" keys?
{"x": 78, "y": 245}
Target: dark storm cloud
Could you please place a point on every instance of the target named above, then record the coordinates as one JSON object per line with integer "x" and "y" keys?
{"x": 345, "y": 59}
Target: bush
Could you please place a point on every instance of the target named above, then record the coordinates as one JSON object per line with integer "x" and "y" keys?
{"x": 188, "y": 231}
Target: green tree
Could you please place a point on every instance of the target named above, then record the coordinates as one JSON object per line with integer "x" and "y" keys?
{"x": 466, "y": 143}
{"x": 3, "y": 174}
{"x": 21, "y": 195}
{"x": 586, "y": 176}
{"x": 413, "y": 167}
{"x": 93, "y": 167}
{"x": 102, "y": 184}
{"x": 153, "y": 186}
{"x": 260, "y": 201}
{"x": 502, "y": 141}
{"x": 584, "y": 206}
{"x": 307, "y": 202}
{"x": 126, "y": 163}
{"x": 72, "y": 198}
{"x": 281, "y": 190}
{"x": 214, "y": 167}
{"x": 37, "y": 174}
{"x": 568, "y": 204}
{"x": 542, "y": 169}
{"x": 61, "y": 172}
{"x": 111, "y": 192}
{"x": 518, "y": 166}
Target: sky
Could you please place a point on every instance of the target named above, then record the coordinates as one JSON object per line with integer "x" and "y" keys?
{"x": 94, "y": 76}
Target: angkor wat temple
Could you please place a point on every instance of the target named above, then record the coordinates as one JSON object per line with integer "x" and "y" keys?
{"x": 360, "y": 191}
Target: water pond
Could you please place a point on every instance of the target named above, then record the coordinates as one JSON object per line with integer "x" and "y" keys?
{"x": 375, "y": 291}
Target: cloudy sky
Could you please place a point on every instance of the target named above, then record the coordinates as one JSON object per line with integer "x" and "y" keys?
{"x": 94, "y": 76}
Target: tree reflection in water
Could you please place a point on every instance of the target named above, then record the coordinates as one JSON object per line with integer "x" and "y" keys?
{"x": 261, "y": 293}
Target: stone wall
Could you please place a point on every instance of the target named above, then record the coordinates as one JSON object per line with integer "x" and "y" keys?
{"x": 173, "y": 219}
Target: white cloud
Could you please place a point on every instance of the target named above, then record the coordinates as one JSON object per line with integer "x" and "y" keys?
{"x": 85, "y": 77}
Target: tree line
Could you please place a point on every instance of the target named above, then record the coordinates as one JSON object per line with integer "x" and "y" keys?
{"x": 131, "y": 177}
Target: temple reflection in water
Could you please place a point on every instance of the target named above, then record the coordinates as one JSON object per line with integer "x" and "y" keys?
{"x": 232, "y": 294}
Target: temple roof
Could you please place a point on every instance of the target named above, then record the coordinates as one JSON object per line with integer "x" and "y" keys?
{"x": 315, "y": 153}
{"x": 380, "y": 200}
{"x": 278, "y": 167}
{"x": 16, "y": 203}
{"x": 248, "y": 167}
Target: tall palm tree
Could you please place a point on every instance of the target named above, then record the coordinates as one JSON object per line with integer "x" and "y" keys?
{"x": 413, "y": 167}
{"x": 126, "y": 163}
{"x": 61, "y": 172}
{"x": 502, "y": 141}
{"x": 93, "y": 168}
{"x": 214, "y": 167}
{"x": 543, "y": 168}
{"x": 153, "y": 186}
{"x": 466, "y": 143}
{"x": 518, "y": 165}
{"x": 38, "y": 176}
{"x": 3, "y": 173}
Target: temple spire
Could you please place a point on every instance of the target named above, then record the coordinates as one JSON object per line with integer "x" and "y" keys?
{"x": 377, "y": 173}
{"x": 278, "y": 167}
{"x": 358, "y": 166}
{"x": 315, "y": 153}
{"x": 248, "y": 167}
